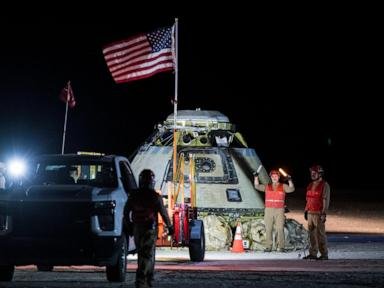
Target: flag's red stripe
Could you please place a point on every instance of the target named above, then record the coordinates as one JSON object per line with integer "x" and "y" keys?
{"x": 146, "y": 71}
{"x": 145, "y": 62}
{"x": 123, "y": 44}
{"x": 143, "y": 68}
{"x": 128, "y": 52}
{"x": 142, "y": 73}
{"x": 144, "y": 56}
{"x": 132, "y": 57}
{"x": 132, "y": 78}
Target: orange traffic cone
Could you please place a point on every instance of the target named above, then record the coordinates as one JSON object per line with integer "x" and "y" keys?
{"x": 237, "y": 246}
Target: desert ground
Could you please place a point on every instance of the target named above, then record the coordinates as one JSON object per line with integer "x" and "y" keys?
{"x": 350, "y": 211}
{"x": 357, "y": 263}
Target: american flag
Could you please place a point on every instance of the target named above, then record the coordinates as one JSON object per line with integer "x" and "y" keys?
{"x": 67, "y": 95}
{"x": 141, "y": 56}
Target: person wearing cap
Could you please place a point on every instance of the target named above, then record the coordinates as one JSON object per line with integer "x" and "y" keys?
{"x": 274, "y": 207}
{"x": 317, "y": 203}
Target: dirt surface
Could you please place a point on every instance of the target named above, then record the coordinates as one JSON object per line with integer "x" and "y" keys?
{"x": 352, "y": 265}
{"x": 167, "y": 278}
{"x": 350, "y": 211}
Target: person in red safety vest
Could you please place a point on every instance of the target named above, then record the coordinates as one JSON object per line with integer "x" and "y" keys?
{"x": 318, "y": 195}
{"x": 274, "y": 207}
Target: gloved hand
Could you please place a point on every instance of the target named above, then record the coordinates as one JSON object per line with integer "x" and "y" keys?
{"x": 306, "y": 215}
{"x": 323, "y": 217}
{"x": 171, "y": 230}
{"x": 289, "y": 177}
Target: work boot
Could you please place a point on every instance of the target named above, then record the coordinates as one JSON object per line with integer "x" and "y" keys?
{"x": 150, "y": 282}
{"x": 323, "y": 257}
{"x": 267, "y": 249}
{"x": 141, "y": 283}
{"x": 282, "y": 250}
{"x": 150, "y": 279}
{"x": 310, "y": 257}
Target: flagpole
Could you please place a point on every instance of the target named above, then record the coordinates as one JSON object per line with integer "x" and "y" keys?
{"x": 176, "y": 71}
{"x": 65, "y": 119}
{"x": 175, "y": 109}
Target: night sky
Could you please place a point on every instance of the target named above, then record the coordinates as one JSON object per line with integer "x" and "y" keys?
{"x": 299, "y": 90}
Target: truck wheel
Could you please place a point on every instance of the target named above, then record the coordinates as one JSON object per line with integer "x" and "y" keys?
{"x": 6, "y": 272}
{"x": 197, "y": 246}
{"x": 116, "y": 273}
{"x": 44, "y": 268}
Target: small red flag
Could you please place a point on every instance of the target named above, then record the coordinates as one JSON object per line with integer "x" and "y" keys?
{"x": 66, "y": 95}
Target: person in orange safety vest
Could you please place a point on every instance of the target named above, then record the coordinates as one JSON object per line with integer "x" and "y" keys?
{"x": 318, "y": 195}
{"x": 274, "y": 207}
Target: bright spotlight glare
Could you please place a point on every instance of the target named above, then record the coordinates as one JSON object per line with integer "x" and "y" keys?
{"x": 16, "y": 168}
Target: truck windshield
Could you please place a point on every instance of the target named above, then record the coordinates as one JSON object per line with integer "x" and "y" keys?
{"x": 98, "y": 174}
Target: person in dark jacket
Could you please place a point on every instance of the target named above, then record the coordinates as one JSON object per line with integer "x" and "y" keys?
{"x": 142, "y": 209}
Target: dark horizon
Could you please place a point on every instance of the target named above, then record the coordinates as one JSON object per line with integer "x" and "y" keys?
{"x": 299, "y": 94}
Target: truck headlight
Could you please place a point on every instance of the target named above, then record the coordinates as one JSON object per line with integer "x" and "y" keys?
{"x": 16, "y": 168}
{"x": 105, "y": 212}
{"x": 104, "y": 207}
{"x": 3, "y": 215}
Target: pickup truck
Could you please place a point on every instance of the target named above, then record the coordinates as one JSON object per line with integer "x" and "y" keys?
{"x": 69, "y": 210}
